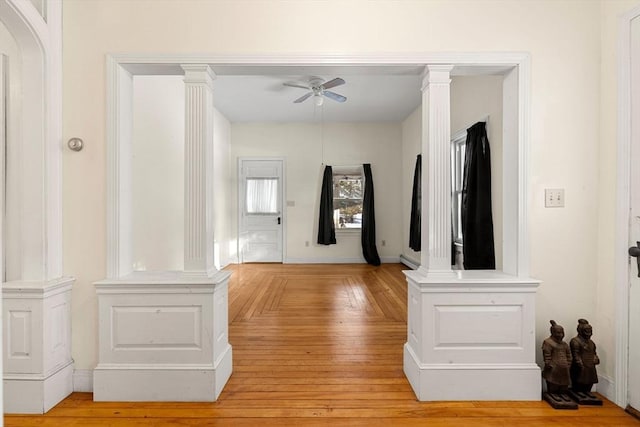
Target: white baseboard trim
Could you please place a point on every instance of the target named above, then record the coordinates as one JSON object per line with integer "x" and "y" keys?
{"x": 36, "y": 394}
{"x": 83, "y": 380}
{"x": 162, "y": 382}
{"x": 438, "y": 382}
{"x": 411, "y": 263}
{"x": 606, "y": 387}
{"x": 314, "y": 260}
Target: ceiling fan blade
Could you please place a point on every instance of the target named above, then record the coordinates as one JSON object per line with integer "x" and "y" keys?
{"x": 334, "y": 96}
{"x": 303, "y": 97}
{"x": 333, "y": 83}
{"x": 295, "y": 85}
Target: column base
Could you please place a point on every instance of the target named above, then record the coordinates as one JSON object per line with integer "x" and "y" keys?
{"x": 157, "y": 383}
{"x": 520, "y": 381}
{"x": 33, "y": 394}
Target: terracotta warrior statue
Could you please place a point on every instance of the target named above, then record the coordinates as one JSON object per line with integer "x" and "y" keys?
{"x": 583, "y": 367}
{"x": 557, "y": 362}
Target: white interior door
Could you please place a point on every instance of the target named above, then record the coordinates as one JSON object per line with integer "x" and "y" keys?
{"x": 261, "y": 214}
{"x": 634, "y": 235}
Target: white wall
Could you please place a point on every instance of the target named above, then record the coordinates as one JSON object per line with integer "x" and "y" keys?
{"x": 473, "y": 99}
{"x": 224, "y": 236}
{"x": 411, "y": 147}
{"x": 158, "y": 173}
{"x": 565, "y": 151}
{"x": 345, "y": 144}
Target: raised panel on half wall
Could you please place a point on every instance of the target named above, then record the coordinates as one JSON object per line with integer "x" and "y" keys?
{"x": 58, "y": 337}
{"x": 478, "y": 326}
{"x": 221, "y": 323}
{"x": 414, "y": 324}
{"x": 22, "y": 351}
{"x": 156, "y": 328}
{"x": 19, "y": 334}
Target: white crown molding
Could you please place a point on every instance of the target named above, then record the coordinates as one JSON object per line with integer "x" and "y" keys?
{"x": 305, "y": 58}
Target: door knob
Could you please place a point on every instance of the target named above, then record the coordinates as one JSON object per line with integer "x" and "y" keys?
{"x": 634, "y": 251}
{"x": 279, "y": 224}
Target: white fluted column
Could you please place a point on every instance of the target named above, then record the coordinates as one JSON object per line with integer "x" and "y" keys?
{"x": 436, "y": 178}
{"x": 198, "y": 202}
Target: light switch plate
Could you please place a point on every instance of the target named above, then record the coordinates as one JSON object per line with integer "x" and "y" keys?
{"x": 554, "y": 198}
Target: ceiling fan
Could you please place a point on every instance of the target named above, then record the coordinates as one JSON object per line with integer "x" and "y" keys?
{"x": 318, "y": 88}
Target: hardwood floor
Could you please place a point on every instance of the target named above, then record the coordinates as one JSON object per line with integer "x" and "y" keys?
{"x": 318, "y": 345}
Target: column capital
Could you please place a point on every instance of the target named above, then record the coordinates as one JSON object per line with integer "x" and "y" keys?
{"x": 436, "y": 74}
{"x": 198, "y": 73}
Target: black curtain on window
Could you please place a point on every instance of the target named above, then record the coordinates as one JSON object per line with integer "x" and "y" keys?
{"x": 415, "y": 239}
{"x": 326, "y": 227}
{"x": 369, "y": 249}
{"x": 477, "y": 221}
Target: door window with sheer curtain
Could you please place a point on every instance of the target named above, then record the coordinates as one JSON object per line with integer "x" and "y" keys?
{"x": 262, "y": 196}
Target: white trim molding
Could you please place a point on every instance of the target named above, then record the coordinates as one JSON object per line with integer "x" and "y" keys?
{"x": 623, "y": 208}
{"x": 121, "y": 67}
{"x": 38, "y": 368}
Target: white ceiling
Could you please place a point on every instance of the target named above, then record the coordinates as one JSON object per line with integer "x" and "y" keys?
{"x": 374, "y": 94}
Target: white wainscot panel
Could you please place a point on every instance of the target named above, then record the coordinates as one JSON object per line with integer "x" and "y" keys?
{"x": 19, "y": 334}
{"x": 478, "y": 327}
{"x": 37, "y": 338}
{"x": 163, "y": 337}
{"x": 156, "y": 327}
{"x": 468, "y": 330}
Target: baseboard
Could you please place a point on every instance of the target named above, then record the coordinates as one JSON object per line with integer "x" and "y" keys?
{"x": 606, "y": 387}
{"x": 411, "y": 263}
{"x": 83, "y": 380}
{"x": 162, "y": 383}
{"x": 516, "y": 381}
{"x": 313, "y": 260}
{"x": 33, "y": 394}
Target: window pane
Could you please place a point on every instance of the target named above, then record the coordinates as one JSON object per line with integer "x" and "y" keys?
{"x": 262, "y": 195}
{"x": 347, "y": 213}
{"x": 347, "y": 187}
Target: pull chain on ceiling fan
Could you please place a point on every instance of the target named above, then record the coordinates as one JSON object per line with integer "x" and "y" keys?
{"x": 318, "y": 89}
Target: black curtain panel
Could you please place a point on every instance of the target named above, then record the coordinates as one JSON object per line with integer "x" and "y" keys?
{"x": 477, "y": 221}
{"x": 369, "y": 220}
{"x": 415, "y": 239}
{"x": 326, "y": 227}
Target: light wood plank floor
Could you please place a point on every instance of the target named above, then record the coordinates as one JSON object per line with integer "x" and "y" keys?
{"x": 318, "y": 345}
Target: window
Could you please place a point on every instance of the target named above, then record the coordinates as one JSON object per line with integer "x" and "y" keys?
{"x": 458, "y": 147}
{"x": 348, "y": 189}
{"x": 262, "y": 196}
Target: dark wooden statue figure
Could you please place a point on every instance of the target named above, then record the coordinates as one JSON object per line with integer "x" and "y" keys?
{"x": 557, "y": 362}
{"x": 583, "y": 366}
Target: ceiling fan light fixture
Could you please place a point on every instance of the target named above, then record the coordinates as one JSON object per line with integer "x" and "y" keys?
{"x": 319, "y": 91}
